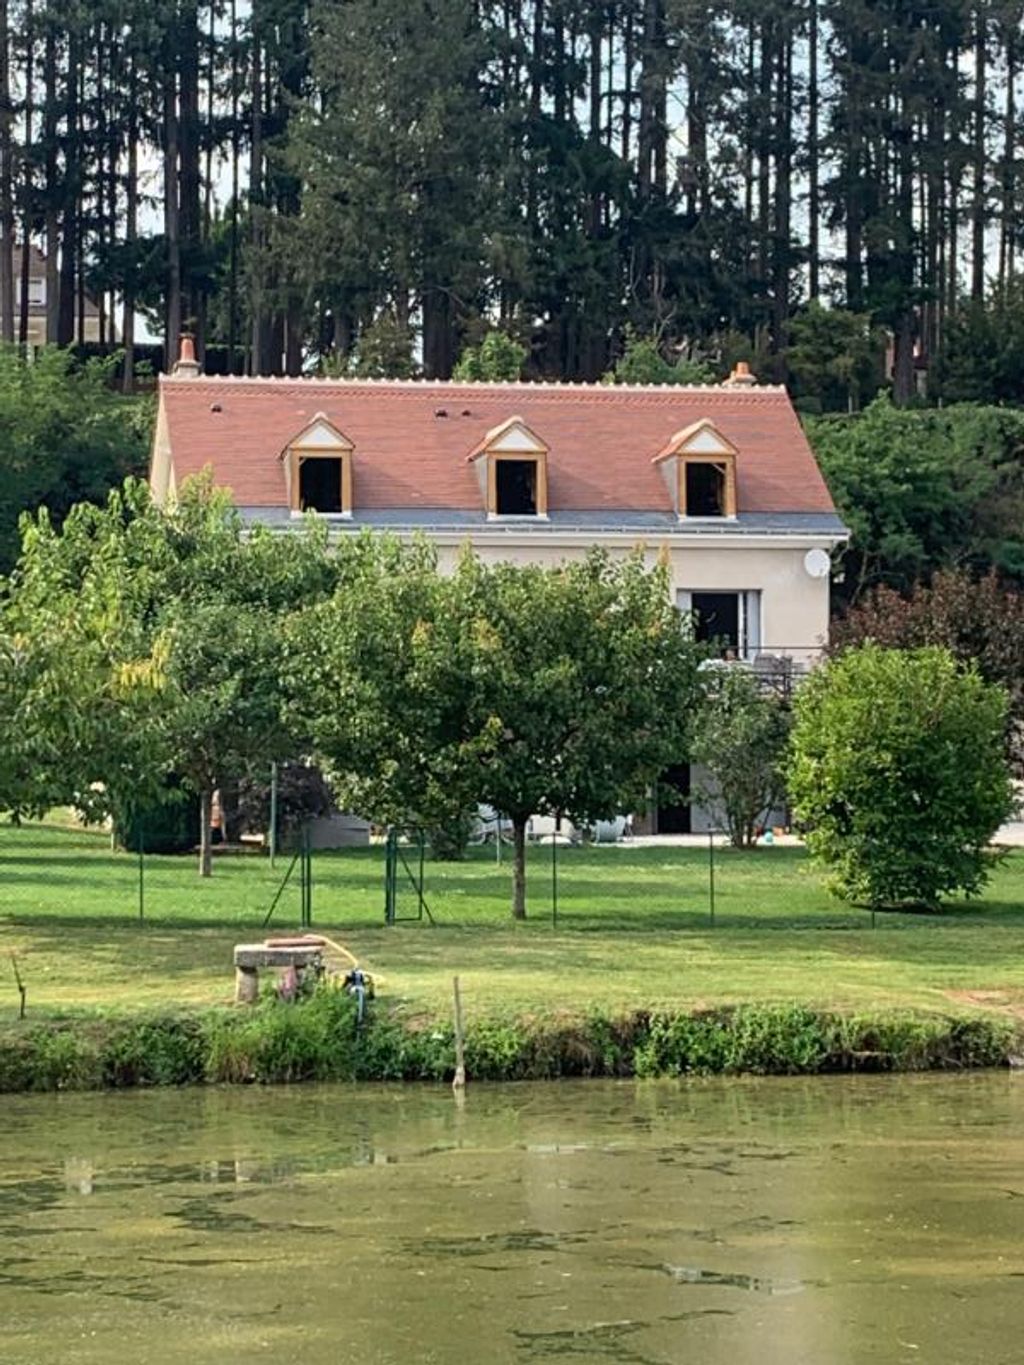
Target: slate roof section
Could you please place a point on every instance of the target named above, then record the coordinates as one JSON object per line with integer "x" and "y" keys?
{"x": 412, "y": 439}
{"x": 616, "y": 521}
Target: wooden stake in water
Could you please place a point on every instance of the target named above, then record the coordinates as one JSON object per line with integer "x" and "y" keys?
{"x": 459, "y": 1082}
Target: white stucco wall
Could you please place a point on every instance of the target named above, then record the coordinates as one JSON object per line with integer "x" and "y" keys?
{"x": 794, "y": 606}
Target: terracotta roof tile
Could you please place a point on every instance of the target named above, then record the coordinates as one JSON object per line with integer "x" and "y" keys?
{"x": 601, "y": 439}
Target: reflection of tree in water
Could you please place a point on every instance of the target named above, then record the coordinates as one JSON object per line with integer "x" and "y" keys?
{"x": 604, "y": 1339}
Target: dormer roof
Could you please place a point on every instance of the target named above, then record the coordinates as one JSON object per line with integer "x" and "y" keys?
{"x": 511, "y": 437}
{"x": 318, "y": 434}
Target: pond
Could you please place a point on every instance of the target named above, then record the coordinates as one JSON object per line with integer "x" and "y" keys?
{"x": 777, "y": 1222}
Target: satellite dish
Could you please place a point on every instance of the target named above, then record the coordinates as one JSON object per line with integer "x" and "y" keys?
{"x": 817, "y": 563}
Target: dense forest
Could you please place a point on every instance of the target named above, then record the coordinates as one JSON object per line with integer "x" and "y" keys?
{"x": 832, "y": 187}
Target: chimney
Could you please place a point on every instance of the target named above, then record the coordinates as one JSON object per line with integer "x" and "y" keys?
{"x": 187, "y": 366}
{"x": 741, "y": 377}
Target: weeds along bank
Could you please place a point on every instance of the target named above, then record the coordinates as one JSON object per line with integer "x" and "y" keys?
{"x": 319, "y": 1040}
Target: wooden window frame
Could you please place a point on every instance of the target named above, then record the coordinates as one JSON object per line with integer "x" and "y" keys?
{"x": 538, "y": 458}
{"x": 298, "y": 454}
{"x": 726, "y": 461}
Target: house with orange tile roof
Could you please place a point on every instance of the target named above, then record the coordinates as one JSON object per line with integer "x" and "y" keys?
{"x": 718, "y": 481}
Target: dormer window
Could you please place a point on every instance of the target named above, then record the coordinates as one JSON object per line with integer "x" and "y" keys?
{"x": 512, "y": 467}
{"x": 699, "y": 468}
{"x": 515, "y": 487}
{"x": 704, "y": 494}
{"x": 318, "y": 469}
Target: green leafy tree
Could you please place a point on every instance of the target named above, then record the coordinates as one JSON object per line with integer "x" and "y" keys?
{"x": 897, "y": 773}
{"x": 740, "y": 737}
{"x": 643, "y": 362}
{"x": 924, "y": 490}
{"x": 578, "y": 687}
{"x": 979, "y": 620}
{"x": 834, "y": 358}
{"x": 531, "y": 690}
{"x": 82, "y": 699}
{"x": 67, "y": 438}
{"x": 498, "y": 357}
{"x": 367, "y": 679}
{"x": 982, "y": 357}
{"x": 151, "y": 643}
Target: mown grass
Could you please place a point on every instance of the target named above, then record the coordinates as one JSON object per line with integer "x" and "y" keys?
{"x": 633, "y": 933}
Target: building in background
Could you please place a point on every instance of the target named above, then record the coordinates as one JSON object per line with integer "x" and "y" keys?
{"x": 87, "y": 316}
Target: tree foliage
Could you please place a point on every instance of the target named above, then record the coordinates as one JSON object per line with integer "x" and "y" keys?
{"x": 551, "y": 691}
{"x": 498, "y": 357}
{"x": 834, "y": 358}
{"x": 740, "y": 737}
{"x": 643, "y": 361}
{"x": 923, "y": 490}
{"x": 979, "y": 620}
{"x": 898, "y": 776}
{"x": 562, "y": 170}
{"x": 67, "y": 438}
{"x": 148, "y": 643}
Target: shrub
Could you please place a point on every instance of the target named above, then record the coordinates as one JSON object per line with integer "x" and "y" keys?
{"x": 898, "y": 775}
{"x": 740, "y": 738}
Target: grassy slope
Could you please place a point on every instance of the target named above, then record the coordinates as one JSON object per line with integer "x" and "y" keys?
{"x": 633, "y": 931}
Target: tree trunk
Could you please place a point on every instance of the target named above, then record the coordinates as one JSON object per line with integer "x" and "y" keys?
{"x": 51, "y": 227}
{"x": 27, "y": 207}
{"x": 813, "y": 196}
{"x": 519, "y": 867}
{"x": 131, "y": 232}
{"x": 172, "y": 224}
{"x": 189, "y": 224}
{"x": 205, "y": 846}
{"x": 979, "y": 168}
{"x": 1009, "y": 187}
{"x": 235, "y": 144}
{"x": 70, "y": 193}
{"x": 6, "y": 183}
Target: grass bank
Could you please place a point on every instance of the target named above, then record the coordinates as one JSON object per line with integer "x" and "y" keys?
{"x": 634, "y": 957}
{"x": 633, "y": 933}
{"x": 319, "y": 1040}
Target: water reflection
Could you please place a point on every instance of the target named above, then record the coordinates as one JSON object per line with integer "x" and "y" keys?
{"x": 827, "y": 1222}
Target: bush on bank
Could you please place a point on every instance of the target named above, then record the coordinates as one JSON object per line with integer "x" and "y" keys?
{"x": 319, "y": 1040}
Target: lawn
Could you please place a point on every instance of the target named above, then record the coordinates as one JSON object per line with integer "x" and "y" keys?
{"x": 633, "y": 931}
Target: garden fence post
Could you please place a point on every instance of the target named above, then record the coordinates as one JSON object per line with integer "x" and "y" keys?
{"x": 273, "y": 813}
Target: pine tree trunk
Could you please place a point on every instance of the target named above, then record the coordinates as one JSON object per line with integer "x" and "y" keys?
{"x": 69, "y": 207}
{"x": 172, "y": 226}
{"x": 6, "y": 182}
{"x": 1007, "y": 228}
{"x": 978, "y": 200}
{"x": 783, "y": 193}
{"x": 51, "y": 224}
{"x": 235, "y": 154}
{"x": 131, "y": 232}
{"x": 205, "y": 844}
{"x": 813, "y": 195}
{"x": 27, "y": 207}
{"x": 189, "y": 226}
{"x": 257, "y": 359}
{"x": 519, "y": 866}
